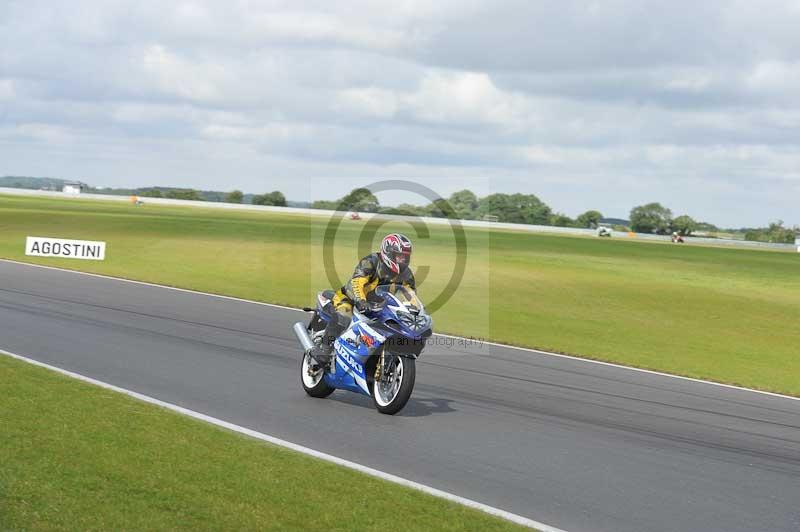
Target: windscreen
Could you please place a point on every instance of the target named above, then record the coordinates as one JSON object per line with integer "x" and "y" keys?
{"x": 405, "y": 295}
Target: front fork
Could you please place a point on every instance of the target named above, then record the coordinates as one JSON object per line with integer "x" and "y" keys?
{"x": 379, "y": 367}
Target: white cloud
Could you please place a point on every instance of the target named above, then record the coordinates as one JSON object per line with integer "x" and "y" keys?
{"x": 369, "y": 101}
{"x": 179, "y": 77}
{"x": 270, "y": 134}
{"x": 697, "y": 80}
{"x": 443, "y": 97}
{"x": 37, "y": 132}
{"x": 467, "y": 97}
{"x": 542, "y": 155}
{"x": 7, "y": 91}
{"x": 305, "y": 26}
{"x": 550, "y": 98}
{"x": 775, "y": 76}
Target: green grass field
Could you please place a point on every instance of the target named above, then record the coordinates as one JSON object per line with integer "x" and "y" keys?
{"x": 730, "y": 315}
{"x": 78, "y": 457}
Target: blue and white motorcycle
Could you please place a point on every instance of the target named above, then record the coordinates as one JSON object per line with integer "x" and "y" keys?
{"x": 376, "y": 355}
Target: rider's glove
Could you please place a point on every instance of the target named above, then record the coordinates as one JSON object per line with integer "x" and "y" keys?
{"x": 362, "y": 305}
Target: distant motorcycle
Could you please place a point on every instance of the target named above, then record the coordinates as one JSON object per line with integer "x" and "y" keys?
{"x": 376, "y": 355}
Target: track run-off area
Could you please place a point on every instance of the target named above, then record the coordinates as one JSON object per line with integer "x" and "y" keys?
{"x": 578, "y": 445}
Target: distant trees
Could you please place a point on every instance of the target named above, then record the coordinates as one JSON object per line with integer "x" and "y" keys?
{"x": 529, "y": 209}
{"x": 589, "y": 219}
{"x": 462, "y": 205}
{"x": 705, "y": 226}
{"x": 655, "y": 218}
{"x": 274, "y": 198}
{"x": 151, "y": 193}
{"x": 776, "y": 233}
{"x": 406, "y": 209}
{"x": 183, "y": 194}
{"x": 651, "y": 218}
{"x": 515, "y": 208}
{"x": 234, "y": 196}
{"x": 325, "y": 205}
{"x": 359, "y": 200}
{"x": 441, "y": 208}
{"x": 684, "y": 225}
{"x": 561, "y": 220}
{"x": 465, "y": 204}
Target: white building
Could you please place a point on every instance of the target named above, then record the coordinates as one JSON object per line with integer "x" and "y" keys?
{"x": 73, "y": 188}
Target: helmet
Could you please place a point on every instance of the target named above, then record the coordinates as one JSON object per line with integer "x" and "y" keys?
{"x": 396, "y": 252}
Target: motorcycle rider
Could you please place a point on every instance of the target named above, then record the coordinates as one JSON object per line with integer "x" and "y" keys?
{"x": 388, "y": 265}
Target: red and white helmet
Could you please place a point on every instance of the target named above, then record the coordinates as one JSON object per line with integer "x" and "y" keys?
{"x": 396, "y": 252}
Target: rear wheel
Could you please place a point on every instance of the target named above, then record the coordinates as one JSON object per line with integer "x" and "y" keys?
{"x": 392, "y": 391}
{"x": 312, "y": 377}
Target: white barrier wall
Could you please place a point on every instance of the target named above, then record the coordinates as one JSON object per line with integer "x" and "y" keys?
{"x": 367, "y": 216}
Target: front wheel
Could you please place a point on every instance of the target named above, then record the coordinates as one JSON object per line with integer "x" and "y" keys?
{"x": 312, "y": 376}
{"x": 392, "y": 391}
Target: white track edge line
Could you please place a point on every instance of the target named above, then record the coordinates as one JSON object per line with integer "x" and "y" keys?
{"x": 155, "y": 285}
{"x": 469, "y": 503}
{"x": 630, "y": 368}
{"x": 518, "y": 348}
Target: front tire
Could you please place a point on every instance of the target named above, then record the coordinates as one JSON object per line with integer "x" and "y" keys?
{"x": 312, "y": 377}
{"x": 390, "y": 395}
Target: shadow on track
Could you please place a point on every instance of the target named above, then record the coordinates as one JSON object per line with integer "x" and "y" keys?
{"x": 421, "y": 407}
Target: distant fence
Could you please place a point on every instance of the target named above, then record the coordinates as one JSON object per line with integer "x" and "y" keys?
{"x": 367, "y": 216}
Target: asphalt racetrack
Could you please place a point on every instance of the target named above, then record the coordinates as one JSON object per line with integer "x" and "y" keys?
{"x": 577, "y": 445}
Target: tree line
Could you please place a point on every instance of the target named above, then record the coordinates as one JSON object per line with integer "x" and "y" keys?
{"x": 775, "y": 233}
{"x": 652, "y": 218}
{"x": 655, "y": 218}
{"x": 508, "y": 208}
{"x": 274, "y": 198}
{"x": 464, "y": 204}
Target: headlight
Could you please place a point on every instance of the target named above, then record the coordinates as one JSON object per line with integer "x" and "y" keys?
{"x": 415, "y": 322}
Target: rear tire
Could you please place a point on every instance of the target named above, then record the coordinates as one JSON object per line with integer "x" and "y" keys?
{"x": 384, "y": 402}
{"x": 313, "y": 381}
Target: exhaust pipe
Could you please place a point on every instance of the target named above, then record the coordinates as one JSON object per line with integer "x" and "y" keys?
{"x": 302, "y": 335}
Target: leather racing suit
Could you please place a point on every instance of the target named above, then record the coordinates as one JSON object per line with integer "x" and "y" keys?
{"x": 370, "y": 273}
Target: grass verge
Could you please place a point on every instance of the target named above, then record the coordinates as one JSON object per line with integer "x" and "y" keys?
{"x": 730, "y": 315}
{"x": 79, "y": 457}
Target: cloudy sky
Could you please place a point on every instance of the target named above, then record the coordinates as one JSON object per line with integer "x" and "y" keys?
{"x": 587, "y": 104}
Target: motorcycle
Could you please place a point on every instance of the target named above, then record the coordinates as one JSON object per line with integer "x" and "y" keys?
{"x": 376, "y": 355}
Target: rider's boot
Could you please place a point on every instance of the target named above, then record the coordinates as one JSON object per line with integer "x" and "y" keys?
{"x": 322, "y": 352}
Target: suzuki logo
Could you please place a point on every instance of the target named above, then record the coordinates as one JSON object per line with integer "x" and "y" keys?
{"x": 347, "y": 357}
